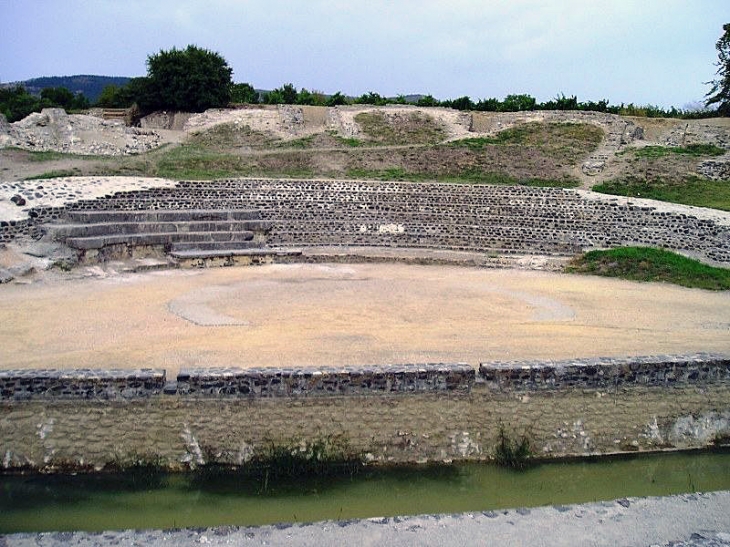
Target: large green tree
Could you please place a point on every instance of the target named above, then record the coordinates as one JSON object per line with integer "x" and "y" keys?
{"x": 191, "y": 79}
{"x": 244, "y": 93}
{"x": 720, "y": 92}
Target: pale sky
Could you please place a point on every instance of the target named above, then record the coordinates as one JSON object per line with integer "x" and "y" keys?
{"x": 642, "y": 51}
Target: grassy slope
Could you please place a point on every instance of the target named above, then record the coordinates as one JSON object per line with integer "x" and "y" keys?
{"x": 647, "y": 264}
{"x": 531, "y": 154}
{"x": 691, "y": 190}
{"x": 659, "y": 172}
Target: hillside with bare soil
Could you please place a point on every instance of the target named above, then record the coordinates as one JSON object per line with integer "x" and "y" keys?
{"x": 548, "y": 148}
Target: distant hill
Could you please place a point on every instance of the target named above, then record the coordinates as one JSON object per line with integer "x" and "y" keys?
{"x": 90, "y": 86}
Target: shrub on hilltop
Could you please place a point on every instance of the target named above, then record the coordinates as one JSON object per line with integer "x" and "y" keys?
{"x": 191, "y": 79}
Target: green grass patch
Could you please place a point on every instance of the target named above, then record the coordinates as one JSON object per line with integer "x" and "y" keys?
{"x": 697, "y": 150}
{"x": 349, "y": 141}
{"x": 648, "y": 264}
{"x": 231, "y": 135}
{"x": 56, "y": 174}
{"x": 203, "y": 163}
{"x": 304, "y": 142}
{"x": 196, "y": 162}
{"x": 49, "y": 155}
{"x": 466, "y": 177}
{"x": 538, "y": 134}
{"x": 691, "y": 190}
{"x": 400, "y": 129}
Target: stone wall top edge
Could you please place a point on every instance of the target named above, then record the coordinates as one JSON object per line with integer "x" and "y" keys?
{"x": 187, "y": 373}
{"x": 608, "y": 361}
{"x": 84, "y": 374}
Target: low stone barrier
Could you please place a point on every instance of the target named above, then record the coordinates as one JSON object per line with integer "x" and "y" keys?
{"x": 606, "y": 373}
{"x": 326, "y": 381}
{"x": 22, "y": 385}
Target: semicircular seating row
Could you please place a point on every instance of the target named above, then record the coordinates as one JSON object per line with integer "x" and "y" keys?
{"x": 245, "y": 216}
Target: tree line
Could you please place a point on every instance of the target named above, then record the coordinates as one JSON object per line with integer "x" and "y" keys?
{"x": 16, "y": 102}
{"x": 195, "y": 79}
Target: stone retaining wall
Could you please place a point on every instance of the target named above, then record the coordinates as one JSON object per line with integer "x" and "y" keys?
{"x": 408, "y": 414}
{"x": 499, "y": 219}
{"x": 607, "y": 373}
{"x": 325, "y": 381}
{"x": 22, "y": 385}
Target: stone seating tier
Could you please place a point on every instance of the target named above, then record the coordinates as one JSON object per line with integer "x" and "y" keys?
{"x": 389, "y": 214}
{"x": 172, "y": 230}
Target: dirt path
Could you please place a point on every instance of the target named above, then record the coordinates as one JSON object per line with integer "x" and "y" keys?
{"x": 285, "y": 315}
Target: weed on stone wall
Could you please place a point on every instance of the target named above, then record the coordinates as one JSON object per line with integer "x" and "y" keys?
{"x": 513, "y": 452}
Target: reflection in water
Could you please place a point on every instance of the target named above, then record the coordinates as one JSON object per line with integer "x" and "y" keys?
{"x": 147, "y": 499}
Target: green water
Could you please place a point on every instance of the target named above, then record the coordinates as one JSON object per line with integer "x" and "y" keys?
{"x": 107, "y": 502}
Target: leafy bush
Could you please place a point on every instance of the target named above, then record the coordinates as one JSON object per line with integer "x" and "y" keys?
{"x": 371, "y": 98}
{"x": 313, "y": 98}
{"x": 244, "y": 93}
{"x": 720, "y": 92}
{"x": 428, "y": 100}
{"x": 191, "y": 80}
{"x": 518, "y": 103}
{"x": 337, "y": 99}
{"x": 286, "y": 94}
{"x": 16, "y": 103}
{"x": 462, "y": 103}
{"x": 60, "y": 96}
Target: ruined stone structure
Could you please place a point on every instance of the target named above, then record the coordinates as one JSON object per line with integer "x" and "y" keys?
{"x": 55, "y": 130}
{"x": 291, "y": 214}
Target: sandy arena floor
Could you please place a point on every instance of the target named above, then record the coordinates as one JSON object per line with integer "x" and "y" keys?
{"x": 286, "y": 315}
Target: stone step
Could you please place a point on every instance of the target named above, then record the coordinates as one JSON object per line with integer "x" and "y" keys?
{"x": 161, "y": 215}
{"x": 213, "y": 245}
{"x": 61, "y": 231}
{"x": 220, "y": 253}
{"x": 156, "y": 239}
{"x": 548, "y": 230}
{"x": 486, "y": 244}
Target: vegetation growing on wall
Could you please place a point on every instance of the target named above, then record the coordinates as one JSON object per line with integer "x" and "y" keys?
{"x": 512, "y": 452}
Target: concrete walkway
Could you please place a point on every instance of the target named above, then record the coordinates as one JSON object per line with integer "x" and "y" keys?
{"x": 692, "y": 520}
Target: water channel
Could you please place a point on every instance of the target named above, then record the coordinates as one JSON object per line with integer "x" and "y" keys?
{"x": 157, "y": 500}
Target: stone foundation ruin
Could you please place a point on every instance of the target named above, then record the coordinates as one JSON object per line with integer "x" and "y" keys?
{"x": 202, "y": 223}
